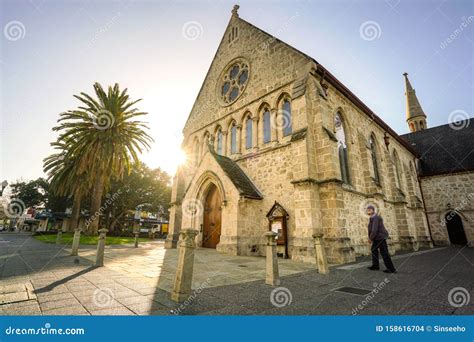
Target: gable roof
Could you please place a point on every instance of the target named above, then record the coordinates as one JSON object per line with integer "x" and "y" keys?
{"x": 322, "y": 72}
{"x": 327, "y": 76}
{"x": 444, "y": 149}
{"x": 238, "y": 177}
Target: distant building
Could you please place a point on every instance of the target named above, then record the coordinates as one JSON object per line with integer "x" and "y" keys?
{"x": 446, "y": 171}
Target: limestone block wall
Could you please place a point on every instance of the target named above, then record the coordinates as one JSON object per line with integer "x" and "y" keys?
{"x": 444, "y": 193}
{"x": 396, "y": 193}
{"x": 301, "y": 171}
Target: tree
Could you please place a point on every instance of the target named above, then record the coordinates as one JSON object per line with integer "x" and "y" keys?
{"x": 64, "y": 178}
{"x": 32, "y": 193}
{"x": 105, "y": 137}
{"x": 142, "y": 185}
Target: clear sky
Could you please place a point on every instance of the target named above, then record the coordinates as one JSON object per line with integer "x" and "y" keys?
{"x": 161, "y": 51}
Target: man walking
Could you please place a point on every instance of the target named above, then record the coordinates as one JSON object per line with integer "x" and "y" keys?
{"x": 378, "y": 237}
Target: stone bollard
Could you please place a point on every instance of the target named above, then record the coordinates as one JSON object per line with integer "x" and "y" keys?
{"x": 321, "y": 259}
{"x": 184, "y": 271}
{"x": 59, "y": 237}
{"x": 75, "y": 242}
{"x": 99, "y": 261}
{"x": 136, "y": 233}
{"x": 272, "y": 276}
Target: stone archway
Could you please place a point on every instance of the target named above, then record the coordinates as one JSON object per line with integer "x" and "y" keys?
{"x": 456, "y": 233}
{"x": 212, "y": 217}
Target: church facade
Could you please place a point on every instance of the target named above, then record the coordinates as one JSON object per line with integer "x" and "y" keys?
{"x": 276, "y": 142}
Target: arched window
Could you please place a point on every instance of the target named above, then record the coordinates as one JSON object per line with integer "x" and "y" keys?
{"x": 342, "y": 148}
{"x": 421, "y": 125}
{"x": 286, "y": 117}
{"x": 373, "y": 153}
{"x": 412, "y": 126}
{"x": 248, "y": 133}
{"x": 206, "y": 141}
{"x": 267, "y": 132}
{"x": 396, "y": 161}
{"x": 219, "y": 141}
{"x": 233, "y": 139}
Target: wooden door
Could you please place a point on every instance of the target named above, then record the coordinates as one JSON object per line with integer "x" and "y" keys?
{"x": 212, "y": 219}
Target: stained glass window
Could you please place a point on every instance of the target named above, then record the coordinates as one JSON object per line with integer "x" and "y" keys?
{"x": 233, "y": 139}
{"x": 219, "y": 141}
{"x": 248, "y": 133}
{"x": 342, "y": 147}
{"x": 266, "y": 127}
{"x": 373, "y": 154}
{"x": 286, "y": 113}
{"x": 233, "y": 82}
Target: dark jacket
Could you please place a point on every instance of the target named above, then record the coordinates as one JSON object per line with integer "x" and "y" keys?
{"x": 377, "y": 229}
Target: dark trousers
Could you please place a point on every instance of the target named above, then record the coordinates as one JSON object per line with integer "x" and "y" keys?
{"x": 382, "y": 245}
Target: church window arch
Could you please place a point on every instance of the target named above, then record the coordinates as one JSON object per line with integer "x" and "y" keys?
{"x": 219, "y": 139}
{"x": 373, "y": 154}
{"x": 248, "y": 132}
{"x": 267, "y": 132}
{"x": 233, "y": 138}
{"x": 396, "y": 162}
{"x": 285, "y": 119}
{"x": 340, "y": 134}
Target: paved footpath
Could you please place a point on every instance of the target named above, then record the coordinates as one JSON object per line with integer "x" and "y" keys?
{"x": 42, "y": 279}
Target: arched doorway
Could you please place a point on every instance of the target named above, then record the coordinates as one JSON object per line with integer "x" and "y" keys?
{"x": 212, "y": 218}
{"x": 456, "y": 233}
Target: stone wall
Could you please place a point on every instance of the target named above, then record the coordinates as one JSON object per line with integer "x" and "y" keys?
{"x": 301, "y": 170}
{"x": 445, "y": 193}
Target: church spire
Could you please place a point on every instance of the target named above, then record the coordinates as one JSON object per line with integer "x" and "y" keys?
{"x": 416, "y": 118}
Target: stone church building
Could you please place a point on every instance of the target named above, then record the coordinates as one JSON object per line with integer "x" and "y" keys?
{"x": 276, "y": 142}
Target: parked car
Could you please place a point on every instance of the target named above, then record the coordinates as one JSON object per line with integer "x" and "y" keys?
{"x": 2, "y": 227}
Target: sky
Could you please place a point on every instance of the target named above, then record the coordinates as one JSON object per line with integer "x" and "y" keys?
{"x": 161, "y": 51}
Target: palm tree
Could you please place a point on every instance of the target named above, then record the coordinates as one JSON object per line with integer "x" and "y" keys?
{"x": 63, "y": 179}
{"x": 105, "y": 137}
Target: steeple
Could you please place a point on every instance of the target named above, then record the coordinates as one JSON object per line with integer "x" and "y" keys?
{"x": 416, "y": 118}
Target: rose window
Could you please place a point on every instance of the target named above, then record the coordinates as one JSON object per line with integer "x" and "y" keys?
{"x": 234, "y": 81}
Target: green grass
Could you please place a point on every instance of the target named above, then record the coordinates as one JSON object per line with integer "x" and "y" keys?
{"x": 89, "y": 240}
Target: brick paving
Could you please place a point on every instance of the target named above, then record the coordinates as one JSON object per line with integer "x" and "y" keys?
{"x": 42, "y": 279}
